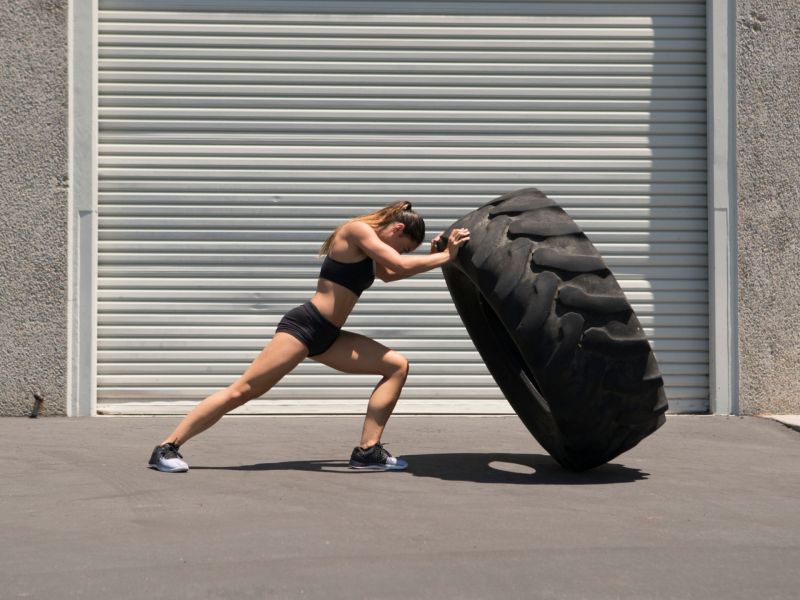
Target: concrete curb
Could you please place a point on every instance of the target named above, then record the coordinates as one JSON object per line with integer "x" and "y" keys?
{"x": 792, "y": 421}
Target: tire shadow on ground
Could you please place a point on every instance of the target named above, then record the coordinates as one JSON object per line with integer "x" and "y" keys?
{"x": 491, "y": 467}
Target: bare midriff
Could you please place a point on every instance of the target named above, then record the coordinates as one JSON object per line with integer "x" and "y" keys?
{"x": 334, "y": 302}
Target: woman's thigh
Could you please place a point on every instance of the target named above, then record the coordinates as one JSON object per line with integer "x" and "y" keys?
{"x": 356, "y": 353}
{"x": 281, "y": 354}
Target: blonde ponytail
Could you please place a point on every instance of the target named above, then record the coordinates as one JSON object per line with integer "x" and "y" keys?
{"x": 377, "y": 219}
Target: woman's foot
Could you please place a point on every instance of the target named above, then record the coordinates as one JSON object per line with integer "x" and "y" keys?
{"x": 167, "y": 458}
{"x": 375, "y": 458}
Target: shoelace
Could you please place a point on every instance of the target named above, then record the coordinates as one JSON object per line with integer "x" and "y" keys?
{"x": 383, "y": 453}
{"x": 171, "y": 451}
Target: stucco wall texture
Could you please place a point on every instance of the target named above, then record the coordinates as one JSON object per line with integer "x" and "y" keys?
{"x": 33, "y": 205}
{"x": 34, "y": 212}
{"x": 768, "y": 172}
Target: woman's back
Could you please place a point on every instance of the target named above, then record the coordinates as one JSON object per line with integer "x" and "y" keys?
{"x": 345, "y": 273}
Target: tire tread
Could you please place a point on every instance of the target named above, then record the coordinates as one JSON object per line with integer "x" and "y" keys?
{"x": 577, "y": 335}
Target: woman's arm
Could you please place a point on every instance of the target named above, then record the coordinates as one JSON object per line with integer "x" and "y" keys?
{"x": 391, "y": 275}
{"x": 398, "y": 266}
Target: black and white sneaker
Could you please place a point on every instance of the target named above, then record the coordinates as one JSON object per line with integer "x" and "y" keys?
{"x": 167, "y": 458}
{"x": 375, "y": 458}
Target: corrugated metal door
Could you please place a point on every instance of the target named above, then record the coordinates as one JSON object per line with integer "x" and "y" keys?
{"x": 234, "y": 136}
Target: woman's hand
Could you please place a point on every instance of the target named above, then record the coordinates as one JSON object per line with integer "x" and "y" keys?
{"x": 457, "y": 238}
{"x": 434, "y": 241}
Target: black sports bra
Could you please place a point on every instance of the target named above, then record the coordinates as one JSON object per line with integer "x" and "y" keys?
{"x": 356, "y": 276}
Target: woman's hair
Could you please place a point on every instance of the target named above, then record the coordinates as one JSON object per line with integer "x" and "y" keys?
{"x": 397, "y": 212}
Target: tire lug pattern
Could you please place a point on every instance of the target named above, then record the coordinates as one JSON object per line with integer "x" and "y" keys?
{"x": 555, "y": 330}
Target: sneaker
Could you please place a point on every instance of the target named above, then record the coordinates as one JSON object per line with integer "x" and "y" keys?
{"x": 167, "y": 458}
{"x": 375, "y": 458}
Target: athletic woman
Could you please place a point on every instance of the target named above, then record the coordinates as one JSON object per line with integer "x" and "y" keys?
{"x": 357, "y": 251}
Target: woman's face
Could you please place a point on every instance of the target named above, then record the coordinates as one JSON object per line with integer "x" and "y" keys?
{"x": 393, "y": 235}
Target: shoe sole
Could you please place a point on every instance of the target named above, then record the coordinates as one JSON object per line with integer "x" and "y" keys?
{"x": 178, "y": 470}
{"x": 376, "y": 467}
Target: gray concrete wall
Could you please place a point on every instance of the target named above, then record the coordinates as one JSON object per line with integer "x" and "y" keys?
{"x": 768, "y": 140}
{"x": 33, "y": 205}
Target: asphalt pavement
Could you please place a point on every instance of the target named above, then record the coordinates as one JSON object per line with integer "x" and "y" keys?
{"x": 707, "y": 507}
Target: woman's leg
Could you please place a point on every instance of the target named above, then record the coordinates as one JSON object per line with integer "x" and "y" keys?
{"x": 281, "y": 354}
{"x": 354, "y": 353}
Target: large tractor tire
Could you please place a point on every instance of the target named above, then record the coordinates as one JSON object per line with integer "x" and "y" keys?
{"x": 555, "y": 330}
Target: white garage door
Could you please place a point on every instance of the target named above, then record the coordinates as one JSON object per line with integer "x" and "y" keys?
{"x": 234, "y": 136}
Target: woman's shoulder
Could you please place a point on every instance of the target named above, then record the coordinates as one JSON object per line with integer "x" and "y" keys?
{"x": 349, "y": 239}
{"x": 356, "y": 228}
{"x": 355, "y": 233}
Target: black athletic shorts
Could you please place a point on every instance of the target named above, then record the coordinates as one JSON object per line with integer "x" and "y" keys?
{"x": 307, "y": 324}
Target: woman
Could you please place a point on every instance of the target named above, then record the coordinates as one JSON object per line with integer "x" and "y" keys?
{"x": 357, "y": 251}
